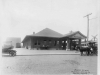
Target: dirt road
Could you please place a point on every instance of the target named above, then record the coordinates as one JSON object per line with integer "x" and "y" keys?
{"x": 48, "y": 64}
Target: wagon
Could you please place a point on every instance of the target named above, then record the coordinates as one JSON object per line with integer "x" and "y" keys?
{"x": 90, "y": 49}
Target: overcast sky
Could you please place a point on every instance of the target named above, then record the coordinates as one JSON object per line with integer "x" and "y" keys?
{"x": 23, "y": 17}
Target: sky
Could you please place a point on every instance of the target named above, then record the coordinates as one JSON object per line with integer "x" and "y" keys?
{"x": 23, "y": 17}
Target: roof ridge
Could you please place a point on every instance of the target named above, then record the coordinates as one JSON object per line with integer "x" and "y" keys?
{"x": 55, "y": 31}
{"x": 50, "y": 30}
{"x": 69, "y": 34}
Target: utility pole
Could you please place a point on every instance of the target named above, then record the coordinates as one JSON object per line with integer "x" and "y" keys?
{"x": 88, "y": 25}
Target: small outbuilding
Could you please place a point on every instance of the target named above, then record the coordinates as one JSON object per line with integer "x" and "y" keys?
{"x": 14, "y": 41}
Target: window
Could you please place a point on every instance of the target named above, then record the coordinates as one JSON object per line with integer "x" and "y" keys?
{"x": 35, "y": 43}
{"x": 38, "y": 43}
{"x": 44, "y": 41}
{"x": 49, "y": 41}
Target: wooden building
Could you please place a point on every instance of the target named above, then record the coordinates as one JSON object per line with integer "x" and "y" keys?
{"x": 50, "y": 39}
{"x": 14, "y": 41}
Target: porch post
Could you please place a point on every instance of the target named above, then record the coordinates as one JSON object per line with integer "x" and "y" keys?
{"x": 79, "y": 42}
{"x": 68, "y": 44}
{"x": 64, "y": 44}
{"x": 30, "y": 43}
{"x": 60, "y": 44}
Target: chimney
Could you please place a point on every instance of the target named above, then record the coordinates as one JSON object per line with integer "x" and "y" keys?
{"x": 33, "y": 32}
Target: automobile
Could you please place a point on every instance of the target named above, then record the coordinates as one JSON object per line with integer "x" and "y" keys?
{"x": 9, "y": 50}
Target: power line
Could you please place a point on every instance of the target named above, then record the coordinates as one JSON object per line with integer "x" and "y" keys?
{"x": 93, "y": 18}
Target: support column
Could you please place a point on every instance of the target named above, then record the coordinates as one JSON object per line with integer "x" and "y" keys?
{"x": 37, "y": 44}
{"x": 60, "y": 43}
{"x": 64, "y": 45}
{"x": 30, "y": 43}
{"x": 79, "y": 42}
{"x": 68, "y": 44}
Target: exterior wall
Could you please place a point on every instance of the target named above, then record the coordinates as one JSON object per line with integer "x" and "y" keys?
{"x": 39, "y": 43}
{"x": 18, "y": 45}
{"x": 68, "y": 44}
{"x": 49, "y": 43}
{"x": 74, "y": 43}
{"x": 27, "y": 44}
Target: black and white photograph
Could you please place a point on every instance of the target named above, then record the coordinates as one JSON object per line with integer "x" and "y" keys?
{"x": 49, "y": 37}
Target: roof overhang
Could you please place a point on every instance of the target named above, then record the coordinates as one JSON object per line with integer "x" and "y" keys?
{"x": 48, "y": 33}
{"x": 29, "y": 36}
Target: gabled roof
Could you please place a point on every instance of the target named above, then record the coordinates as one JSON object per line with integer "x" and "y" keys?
{"x": 45, "y": 33}
{"x": 48, "y": 33}
{"x": 76, "y": 34}
{"x": 51, "y": 33}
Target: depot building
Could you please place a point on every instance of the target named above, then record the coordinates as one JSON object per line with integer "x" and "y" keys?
{"x": 51, "y": 40}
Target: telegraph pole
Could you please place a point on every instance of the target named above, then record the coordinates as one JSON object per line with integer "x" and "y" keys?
{"x": 88, "y": 25}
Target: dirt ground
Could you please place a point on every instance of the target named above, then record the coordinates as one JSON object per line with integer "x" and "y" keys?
{"x": 48, "y": 64}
